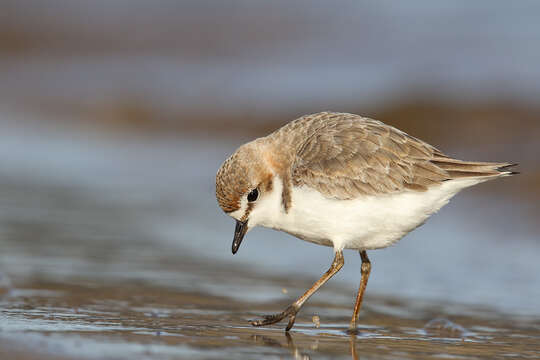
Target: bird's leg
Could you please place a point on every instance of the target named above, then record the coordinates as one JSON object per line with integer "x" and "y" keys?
{"x": 365, "y": 270}
{"x": 292, "y": 309}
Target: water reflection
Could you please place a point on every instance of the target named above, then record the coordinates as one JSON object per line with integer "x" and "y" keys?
{"x": 346, "y": 344}
{"x": 296, "y": 352}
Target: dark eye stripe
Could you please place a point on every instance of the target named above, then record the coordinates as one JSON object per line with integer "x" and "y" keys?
{"x": 253, "y": 195}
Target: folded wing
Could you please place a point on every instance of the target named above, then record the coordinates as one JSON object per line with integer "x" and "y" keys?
{"x": 348, "y": 156}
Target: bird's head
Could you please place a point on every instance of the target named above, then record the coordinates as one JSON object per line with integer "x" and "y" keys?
{"x": 243, "y": 183}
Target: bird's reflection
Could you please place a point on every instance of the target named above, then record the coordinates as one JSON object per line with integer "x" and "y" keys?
{"x": 289, "y": 343}
{"x": 352, "y": 346}
{"x": 299, "y": 353}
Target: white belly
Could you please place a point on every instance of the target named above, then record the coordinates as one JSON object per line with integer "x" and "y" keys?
{"x": 369, "y": 222}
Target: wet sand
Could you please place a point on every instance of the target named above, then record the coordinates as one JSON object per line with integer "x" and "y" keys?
{"x": 139, "y": 320}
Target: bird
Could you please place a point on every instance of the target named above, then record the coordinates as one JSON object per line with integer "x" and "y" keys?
{"x": 343, "y": 181}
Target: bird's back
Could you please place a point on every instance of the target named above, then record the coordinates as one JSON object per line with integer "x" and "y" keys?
{"x": 344, "y": 156}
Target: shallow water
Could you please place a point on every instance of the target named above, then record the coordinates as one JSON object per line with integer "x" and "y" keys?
{"x": 115, "y": 248}
{"x": 140, "y": 320}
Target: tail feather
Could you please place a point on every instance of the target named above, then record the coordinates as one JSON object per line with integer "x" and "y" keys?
{"x": 507, "y": 169}
{"x": 457, "y": 169}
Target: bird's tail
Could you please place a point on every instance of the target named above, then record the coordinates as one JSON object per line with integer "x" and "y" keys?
{"x": 458, "y": 169}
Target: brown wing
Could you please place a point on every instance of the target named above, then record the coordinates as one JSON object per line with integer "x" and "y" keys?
{"x": 348, "y": 156}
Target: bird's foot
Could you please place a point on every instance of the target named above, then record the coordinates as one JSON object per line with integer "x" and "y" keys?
{"x": 275, "y": 318}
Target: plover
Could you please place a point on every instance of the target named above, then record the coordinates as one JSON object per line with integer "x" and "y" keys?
{"x": 344, "y": 181}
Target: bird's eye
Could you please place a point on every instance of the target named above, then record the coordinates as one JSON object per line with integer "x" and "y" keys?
{"x": 253, "y": 195}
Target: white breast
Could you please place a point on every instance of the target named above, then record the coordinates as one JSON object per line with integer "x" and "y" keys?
{"x": 368, "y": 222}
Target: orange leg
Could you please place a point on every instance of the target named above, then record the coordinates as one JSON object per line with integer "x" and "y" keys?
{"x": 365, "y": 270}
{"x": 292, "y": 309}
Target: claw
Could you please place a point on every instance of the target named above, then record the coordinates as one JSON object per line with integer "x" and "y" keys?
{"x": 275, "y": 318}
{"x": 291, "y": 322}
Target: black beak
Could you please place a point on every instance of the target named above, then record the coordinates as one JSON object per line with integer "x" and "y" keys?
{"x": 239, "y": 232}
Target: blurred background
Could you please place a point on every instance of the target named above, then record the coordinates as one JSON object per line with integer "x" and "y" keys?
{"x": 115, "y": 116}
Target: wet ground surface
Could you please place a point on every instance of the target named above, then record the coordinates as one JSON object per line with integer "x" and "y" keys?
{"x": 82, "y": 318}
{"x": 114, "y": 249}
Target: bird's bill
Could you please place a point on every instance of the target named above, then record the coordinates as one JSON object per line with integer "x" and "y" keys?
{"x": 239, "y": 232}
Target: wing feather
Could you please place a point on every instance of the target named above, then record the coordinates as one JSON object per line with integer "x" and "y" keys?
{"x": 347, "y": 156}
